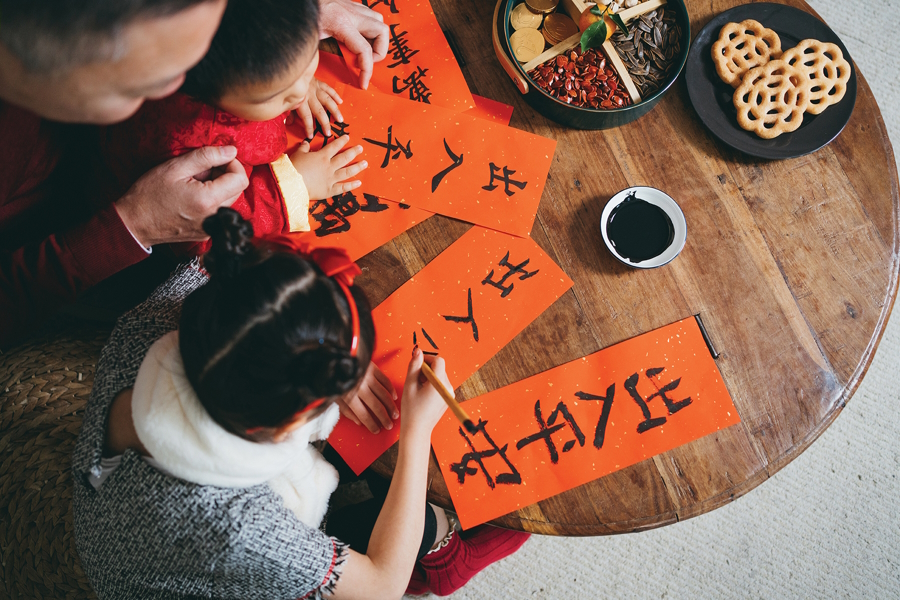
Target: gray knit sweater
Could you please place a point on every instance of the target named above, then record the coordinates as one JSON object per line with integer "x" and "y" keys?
{"x": 147, "y": 535}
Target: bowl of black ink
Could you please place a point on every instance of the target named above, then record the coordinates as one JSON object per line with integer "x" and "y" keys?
{"x": 643, "y": 227}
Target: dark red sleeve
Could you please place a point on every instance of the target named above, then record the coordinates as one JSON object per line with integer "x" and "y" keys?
{"x": 38, "y": 278}
{"x": 51, "y": 249}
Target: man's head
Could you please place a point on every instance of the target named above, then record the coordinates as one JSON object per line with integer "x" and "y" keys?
{"x": 261, "y": 60}
{"x": 96, "y": 61}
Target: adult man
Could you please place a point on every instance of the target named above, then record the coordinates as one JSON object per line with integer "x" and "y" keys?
{"x": 96, "y": 61}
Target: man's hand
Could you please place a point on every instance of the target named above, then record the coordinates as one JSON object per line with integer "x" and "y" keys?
{"x": 360, "y": 28}
{"x": 375, "y": 396}
{"x": 168, "y": 204}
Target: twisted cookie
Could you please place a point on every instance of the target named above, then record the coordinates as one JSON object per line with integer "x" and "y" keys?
{"x": 741, "y": 47}
{"x": 825, "y": 67}
{"x": 772, "y": 98}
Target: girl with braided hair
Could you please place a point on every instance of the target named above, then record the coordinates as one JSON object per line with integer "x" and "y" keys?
{"x": 195, "y": 476}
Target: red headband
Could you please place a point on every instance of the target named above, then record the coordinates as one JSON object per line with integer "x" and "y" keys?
{"x": 335, "y": 263}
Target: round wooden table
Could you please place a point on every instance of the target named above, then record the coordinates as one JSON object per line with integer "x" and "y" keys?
{"x": 792, "y": 264}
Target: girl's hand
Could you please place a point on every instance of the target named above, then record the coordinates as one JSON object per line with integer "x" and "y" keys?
{"x": 321, "y": 100}
{"x": 374, "y": 396}
{"x": 422, "y": 404}
{"x": 325, "y": 172}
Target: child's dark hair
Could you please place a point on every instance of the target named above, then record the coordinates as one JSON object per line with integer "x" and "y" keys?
{"x": 269, "y": 334}
{"x": 257, "y": 41}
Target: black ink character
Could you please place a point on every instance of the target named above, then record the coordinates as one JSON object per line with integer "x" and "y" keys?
{"x": 511, "y": 270}
{"x": 430, "y": 341}
{"x": 392, "y": 146}
{"x": 373, "y": 204}
{"x": 462, "y": 468}
{"x": 507, "y": 180}
{"x": 332, "y": 213}
{"x": 546, "y": 430}
{"x": 388, "y": 3}
{"x": 467, "y": 319}
{"x": 337, "y": 130}
{"x": 418, "y": 91}
{"x": 672, "y": 406}
{"x": 457, "y": 160}
{"x": 600, "y": 431}
{"x": 403, "y": 206}
{"x": 399, "y": 48}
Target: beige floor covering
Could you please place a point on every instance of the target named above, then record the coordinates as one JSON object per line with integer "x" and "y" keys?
{"x": 826, "y": 526}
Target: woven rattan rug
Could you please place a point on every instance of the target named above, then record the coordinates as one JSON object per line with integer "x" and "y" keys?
{"x": 44, "y": 386}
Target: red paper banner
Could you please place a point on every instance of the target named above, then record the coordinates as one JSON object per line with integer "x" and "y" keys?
{"x": 453, "y": 164}
{"x": 420, "y": 64}
{"x": 358, "y": 221}
{"x": 466, "y": 304}
{"x": 580, "y": 421}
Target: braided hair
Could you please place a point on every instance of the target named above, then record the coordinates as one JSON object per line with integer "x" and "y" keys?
{"x": 269, "y": 334}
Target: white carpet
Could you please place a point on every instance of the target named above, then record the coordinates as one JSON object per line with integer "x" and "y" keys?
{"x": 826, "y": 526}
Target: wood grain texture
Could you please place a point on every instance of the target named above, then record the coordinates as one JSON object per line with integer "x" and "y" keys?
{"x": 792, "y": 264}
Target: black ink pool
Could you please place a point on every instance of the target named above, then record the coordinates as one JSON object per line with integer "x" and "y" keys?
{"x": 639, "y": 230}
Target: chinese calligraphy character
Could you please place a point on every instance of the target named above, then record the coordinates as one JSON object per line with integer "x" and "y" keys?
{"x": 506, "y": 178}
{"x": 392, "y": 146}
{"x": 399, "y": 48}
{"x": 546, "y": 430}
{"x": 462, "y": 468}
{"x": 403, "y": 205}
{"x": 511, "y": 270}
{"x": 430, "y": 341}
{"x": 673, "y": 407}
{"x": 600, "y": 431}
{"x": 337, "y": 130}
{"x": 373, "y": 204}
{"x": 389, "y": 3}
{"x": 457, "y": 160}
{"x": 418, "y": 91}
{"x": 332, "y": 213}
{"x": 467, "y": 319}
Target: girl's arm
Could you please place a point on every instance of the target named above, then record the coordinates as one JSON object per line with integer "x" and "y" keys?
{"x": 384, "y": 571}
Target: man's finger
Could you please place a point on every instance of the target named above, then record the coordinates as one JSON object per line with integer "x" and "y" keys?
{"x": 203, "y": 159}
{"x": 226, "y": 188}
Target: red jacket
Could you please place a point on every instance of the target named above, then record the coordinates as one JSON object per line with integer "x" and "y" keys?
{"x": 54, "y": 244}
{"x": 175, "y": 125}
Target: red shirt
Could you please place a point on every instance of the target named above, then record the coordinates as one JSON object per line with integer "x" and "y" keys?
{"x": 166, "y": 128}
{"x": 54, "y": 244}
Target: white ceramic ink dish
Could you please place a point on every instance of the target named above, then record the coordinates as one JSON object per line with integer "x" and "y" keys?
{"x": 660, "y": 200}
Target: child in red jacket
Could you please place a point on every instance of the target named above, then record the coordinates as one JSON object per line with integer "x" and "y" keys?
{"x": 258, "y": 71}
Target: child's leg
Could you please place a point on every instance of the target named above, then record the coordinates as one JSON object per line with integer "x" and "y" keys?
{"x": 353, "y": 524}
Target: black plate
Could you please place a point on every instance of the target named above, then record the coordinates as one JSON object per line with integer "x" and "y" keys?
{"x": 712, "y": 97}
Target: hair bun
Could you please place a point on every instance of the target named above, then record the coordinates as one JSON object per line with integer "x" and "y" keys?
{"x": 231, "y": 236}
{"x": 326, "y": 371}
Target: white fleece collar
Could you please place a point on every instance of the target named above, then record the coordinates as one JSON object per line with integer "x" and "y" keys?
{"x": 181, "y": 436}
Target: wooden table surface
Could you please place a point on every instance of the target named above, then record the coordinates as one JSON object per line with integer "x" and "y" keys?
{"x": 792, "y": 264}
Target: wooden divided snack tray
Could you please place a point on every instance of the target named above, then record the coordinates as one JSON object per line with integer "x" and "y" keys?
{"x": 538, "y": 42}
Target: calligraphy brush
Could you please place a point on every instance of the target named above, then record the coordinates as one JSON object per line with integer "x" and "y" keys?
{"x": 458, "y": 410}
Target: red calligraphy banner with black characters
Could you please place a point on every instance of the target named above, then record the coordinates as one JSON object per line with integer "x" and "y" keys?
{"x": 359, "y": 221}
{"x": 466, "y": 305}
{"x": 420, "y": 64}
{"x": 454, "y": 164}
{"x": 580, "y": 421}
